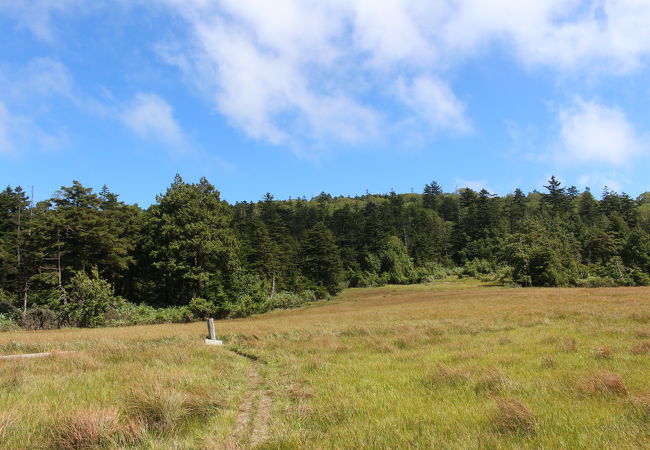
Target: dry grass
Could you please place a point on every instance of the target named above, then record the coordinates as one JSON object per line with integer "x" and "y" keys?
{"x": 165, "y": 409}
{"x": 448, "y": 375}
{"x": 392, "y": 367}
{"x": 548, "y": 362}
{"x": 603, "y": 382}
{"x": 491, "y": 380}
{"x": 603, "y": 353}
{"x": 512, "y": 416}
{"x": 642, "y": 348}
{"x": 7, "y": 420}
{"x": 95, "y": 428}
{"x": 641, "y": 404}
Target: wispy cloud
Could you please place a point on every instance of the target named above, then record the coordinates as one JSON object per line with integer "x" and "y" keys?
{"x": 19, "y": 134}
{"x": 151, "y": 117}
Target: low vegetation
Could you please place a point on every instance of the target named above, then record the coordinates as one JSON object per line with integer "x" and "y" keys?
{"x": 455, "y": 363}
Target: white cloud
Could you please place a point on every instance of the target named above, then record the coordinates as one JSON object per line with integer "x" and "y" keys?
{"x": 19, "y": 134}
{"x": 305, "y": 70}
{"x": 6, "y": 145}
{"x": 150, "y": 117}
{"x": 592, "y": 132}
{"x": 597, "y": 181}
{"x": 267, "y": 66}
{"x": 37, "y": 15}
{"x": 433, "y": 102}
{"x": 475, "y": 185}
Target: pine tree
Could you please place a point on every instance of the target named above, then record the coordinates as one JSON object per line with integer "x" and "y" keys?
{"x": 320, "y": 260}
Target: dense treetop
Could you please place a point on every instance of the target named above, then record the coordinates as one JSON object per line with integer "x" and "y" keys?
{"x": 192, "y": 248}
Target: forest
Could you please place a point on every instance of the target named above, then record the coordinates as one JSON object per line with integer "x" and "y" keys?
{"x": 85, "y": 258}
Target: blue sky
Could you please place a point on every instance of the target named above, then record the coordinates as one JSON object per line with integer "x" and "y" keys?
{"x": 295, "y": 97}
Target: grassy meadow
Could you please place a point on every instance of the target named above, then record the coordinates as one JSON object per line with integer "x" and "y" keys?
{"x": 455, "y": 364}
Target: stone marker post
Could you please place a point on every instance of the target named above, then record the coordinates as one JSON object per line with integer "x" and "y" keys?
{"x": 211, "y": 333}
{"x": 212, "y": 336}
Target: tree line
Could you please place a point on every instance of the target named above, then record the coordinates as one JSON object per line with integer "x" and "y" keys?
{"x": 86, "y": 258}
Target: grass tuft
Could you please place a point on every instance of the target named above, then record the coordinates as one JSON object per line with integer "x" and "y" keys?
{"x": 512, "y": 416}
{"x": 603, "y": 382}
{"x": 641, "y": 349}
{"x": 641, "y": 405}
{"x": 603, "y": 353}
{"x": 96, "y": 428}
{"x": 7, "y": 421}
{"x": 548, "y": 362}
{"x": 166, "y": 409}
{"x": 567, "y": 345}
{"x": 491, "y": 380}
{"x": 448, "y": 375}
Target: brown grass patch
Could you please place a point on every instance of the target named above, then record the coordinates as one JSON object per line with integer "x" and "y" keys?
{"x": 548, "y": 362}
{"x": 642, "y": 348}
{"x": 641, "y": 405}
{"x": 567, "y": 345}
{"x": 94, "y": 429}
{"x": 504, "y": 341}
{"x": 512, "y": 416}
{"x": 603, "y": 382}
{"x": 448, "y": 375}
{"x": 491, "y": 380}
{"x": 603, "y": 353}
{"x": 548, "y": 340}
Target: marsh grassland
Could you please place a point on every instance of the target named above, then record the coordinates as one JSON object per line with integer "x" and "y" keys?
{"x": 455, "y": 364}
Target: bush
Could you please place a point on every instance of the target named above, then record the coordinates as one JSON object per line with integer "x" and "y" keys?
{"x": 201, "y": 308}
{"x": 132, "y": 314}
{"x": 287, "y": 300}
{"x": 7, "y": 322}
{"x": 90, "y": 298}
{"x": 39, "y": 319}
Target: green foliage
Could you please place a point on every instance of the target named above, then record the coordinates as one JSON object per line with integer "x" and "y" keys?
{"x": 202, "y": 308}
{"x": 320, "y": 258}
{"x": 131, "y": 314}
{"x": 288, "y": 300}
{"x": 192, "y": 249}
{"x": 7, "y": 322}
{"x": 90, "y": 298}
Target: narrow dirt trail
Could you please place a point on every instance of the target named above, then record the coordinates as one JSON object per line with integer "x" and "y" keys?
{"x": 252, "y": 422}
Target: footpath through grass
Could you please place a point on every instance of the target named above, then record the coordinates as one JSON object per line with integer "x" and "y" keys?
{"x": 449, "y": 365}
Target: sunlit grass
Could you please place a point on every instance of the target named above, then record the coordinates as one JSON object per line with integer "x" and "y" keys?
{"x": 456, "y": 364}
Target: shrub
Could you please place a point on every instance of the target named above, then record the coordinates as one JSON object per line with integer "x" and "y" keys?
{"x": 39, "y": 319}
{"x": 201, "y": 308}
{"x": 7, "y": 322}
{"x": 90, "y": 298}
{"x": 132, "y": 314}
{"x": 286, "y": 300}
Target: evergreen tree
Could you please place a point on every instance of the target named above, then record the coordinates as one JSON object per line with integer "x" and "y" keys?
{"x": 320, "y": 258}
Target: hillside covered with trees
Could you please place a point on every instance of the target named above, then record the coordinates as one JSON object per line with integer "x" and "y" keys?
{"x": 85, "y": 258}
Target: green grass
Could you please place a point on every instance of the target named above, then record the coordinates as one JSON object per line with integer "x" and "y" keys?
{"x": 455, "y": 364}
